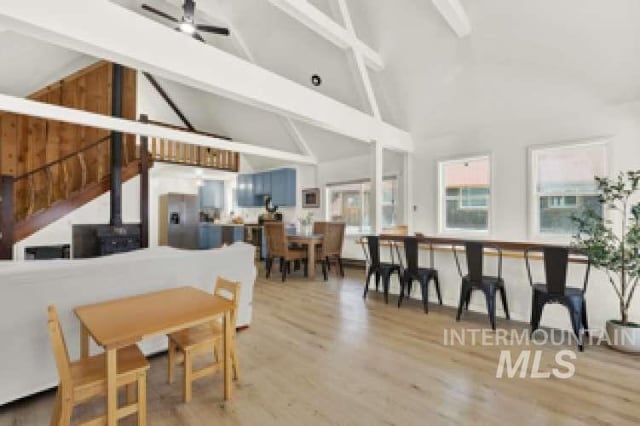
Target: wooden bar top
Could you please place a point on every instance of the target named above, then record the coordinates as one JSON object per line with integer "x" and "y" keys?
{"x": 126, "y": 321}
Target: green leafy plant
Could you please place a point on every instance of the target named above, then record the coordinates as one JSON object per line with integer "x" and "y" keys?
{"x": 307, "y": 219}
{"x": 613, "y": 245}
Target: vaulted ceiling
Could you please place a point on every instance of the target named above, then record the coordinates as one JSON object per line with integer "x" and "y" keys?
{"x": 523, "y": 60}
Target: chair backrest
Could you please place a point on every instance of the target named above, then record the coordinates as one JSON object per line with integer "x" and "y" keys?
{"x": 556, "y": 265}
{"x": 373, "y": 242}
{"x": 59, "y": 347}
{"x": 556, "y": 262}
{"x": 276, "y": 238}
{"x": 475, "y": 259}
{"x": 320, "y": 227}
{"x": 411, "y": 253}
{"x": 229, "y": 290}
{"x": 333, "y": 239}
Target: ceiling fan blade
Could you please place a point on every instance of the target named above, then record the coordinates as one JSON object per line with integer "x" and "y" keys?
{"x": 198, "y": 37}
{"x": 159, "y": 13}
{"x": 212, "y": 29}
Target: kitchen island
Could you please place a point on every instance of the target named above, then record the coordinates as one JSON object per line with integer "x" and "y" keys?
{"x": 214, "y": 235}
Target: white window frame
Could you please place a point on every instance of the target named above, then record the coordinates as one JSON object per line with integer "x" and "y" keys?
{"x": 534, "y": 196}
{"x": 329, "y": 186}
{"x": 462, "y": 206}
{"x": 441, "y": 200}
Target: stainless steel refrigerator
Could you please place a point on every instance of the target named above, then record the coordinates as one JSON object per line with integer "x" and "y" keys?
{"x": 179, "y": 220}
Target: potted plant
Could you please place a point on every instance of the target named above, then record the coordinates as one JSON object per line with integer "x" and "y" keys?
{"x": 613, "y": 246}
{"x": 306, "y": 223}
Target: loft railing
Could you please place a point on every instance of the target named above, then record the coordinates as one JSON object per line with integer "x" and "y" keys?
{"x": 174, "y": 152}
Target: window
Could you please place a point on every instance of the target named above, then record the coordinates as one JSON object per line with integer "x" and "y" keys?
{"x": 465, "y": 194}
{"x": 350, "y": 203}
{"x": 563, "y": 185}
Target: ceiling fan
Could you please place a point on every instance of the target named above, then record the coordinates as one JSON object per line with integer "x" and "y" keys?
{"x": 187, "y": 24}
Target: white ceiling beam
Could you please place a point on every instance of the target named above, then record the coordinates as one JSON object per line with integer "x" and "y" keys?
{"x": 361, "y": 70}
{"x": 242, "y": 47}
{"x": 315, "y": 19}
{"x": 28, "y": 107}
{"x": 453, "y": 12}
{"x": 149, "y": 46}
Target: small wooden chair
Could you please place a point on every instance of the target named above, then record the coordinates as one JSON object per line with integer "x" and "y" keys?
{"x": 86, "y": 378}
{"x": 205, "y": 339}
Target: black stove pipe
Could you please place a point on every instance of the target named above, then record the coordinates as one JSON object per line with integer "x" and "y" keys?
{"x": 116, "y": 147}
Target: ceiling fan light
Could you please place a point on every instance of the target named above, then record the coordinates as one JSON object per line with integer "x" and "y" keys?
{"x": 187, "y": 27}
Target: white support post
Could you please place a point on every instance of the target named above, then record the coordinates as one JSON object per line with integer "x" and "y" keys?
{"x": 407, "y": 187}
{"x": 375, "y": 201}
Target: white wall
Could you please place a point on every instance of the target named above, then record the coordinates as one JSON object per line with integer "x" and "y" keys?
{"x": 508, "y": 145}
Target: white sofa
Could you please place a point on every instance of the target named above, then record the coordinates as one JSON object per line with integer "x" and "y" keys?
{"x": 27, "y": 287}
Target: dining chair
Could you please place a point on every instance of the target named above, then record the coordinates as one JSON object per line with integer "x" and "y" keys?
{"x": 413, "y": 272}
{"x": 476, "y": 280}
{"x": 279, "y": 248}
{"x": 555, "y": 290}
{"x": 380, "y": 269}
{"x": 85, "y": 379}
{"x": 208, "y": 338}
{"x": 331, "y": 247}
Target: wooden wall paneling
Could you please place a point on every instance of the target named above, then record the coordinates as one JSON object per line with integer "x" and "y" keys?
{"x": 9, "y": 140}
{"x": 129, "y": 112}
{"x": 36, "y": 158}
{"x": 21, "y": 187}
{"x": 52, "y": 149}
{"x": 92, "y": 104}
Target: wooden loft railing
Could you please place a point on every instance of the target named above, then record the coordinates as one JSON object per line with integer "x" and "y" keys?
{"x": 174, "y": 152}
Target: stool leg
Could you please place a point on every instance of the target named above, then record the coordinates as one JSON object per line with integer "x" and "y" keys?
{"x": 188, "y": 370}
{"x": 55, "y": 416}
{"x": 66, "y": 410}
{"x": 142, "y": 399}
{"x": 172, "y": 361}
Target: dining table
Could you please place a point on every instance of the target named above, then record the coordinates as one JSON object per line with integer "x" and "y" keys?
{"x": 118, "y": 323}
{"x": 311, "y": 241}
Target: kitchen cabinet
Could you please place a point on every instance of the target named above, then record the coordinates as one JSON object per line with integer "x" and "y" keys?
{"x": 212, "y": 235}
{"x": 245, "y": 194}
{"x": 212, "y": 194}
{"x": 262, "y": 183}
{"x": 280, "y": 184}
{"x": 283, "y": 187}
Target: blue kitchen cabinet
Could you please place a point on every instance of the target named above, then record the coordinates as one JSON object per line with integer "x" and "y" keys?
{"x": 280, "y": 184}
{"x": 283, "y": 185}
{"x": 212, "y": 194}
{"x": 210, "y": 236}
{"x": 238, "y": 234}
{"x": 262, "y": 182}
{"x": 244, "y": 191}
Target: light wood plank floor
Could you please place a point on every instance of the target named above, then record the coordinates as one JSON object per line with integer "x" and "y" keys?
{"x": 317, "y": 354}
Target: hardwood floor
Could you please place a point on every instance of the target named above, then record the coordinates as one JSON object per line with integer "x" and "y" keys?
{"x": 317, "y": 354}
